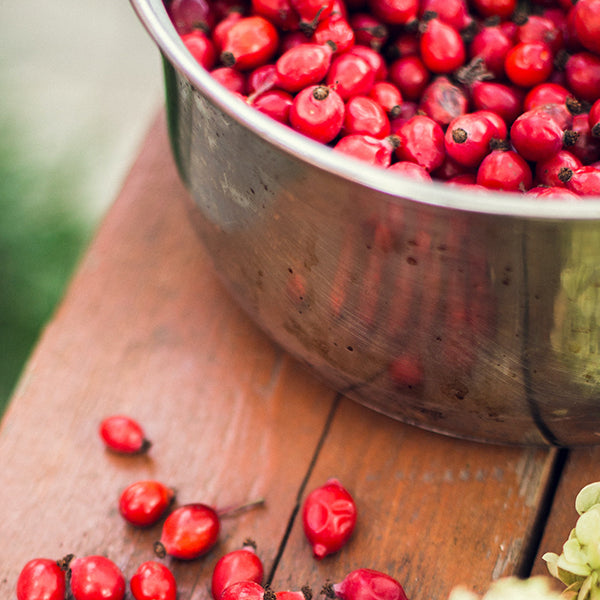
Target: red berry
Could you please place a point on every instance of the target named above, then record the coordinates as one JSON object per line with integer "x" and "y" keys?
{"x": 334, "y": 30}
{"x": 143, "y": 503}
{"x": 41, "y": 579}
{"x": 453, "y": 12}
{"x": 506, "y": 101}
{"x": 368, "y": 30}
{"x": 238, "y": 565}
{"x": 529, "y": 63}
{"x": 123, "y": 434}
{"x": 388, "y": 96}
{"x": 318, "y": 112}
{"x": 421, "y": 140}
{"x": 535, "y": 136}
{"x": 250, "y": 42}
{"x": 443, "y": 101}
{"x": 275, "y": 103}
{"x": 200, "y": 47}
{"x": 219, "y": 33}
{"x": 582, "y": 71}
{"x": 189, "y": 532}
{"x": 188, "y": 15}
{"x": 585, "y": 181}
{"x": 546, "y": 93}
{"x": 491, "y": 44}
{"x": 395, "y": 12}
{"x": 243, "y": 590}
{"x": 410, "y": 75}
{"x": 367, "y": 584}
{"x": 586, "y": 20}
{"x": 373, "y": 59}
{"x": 495, "y": 8}
{"x": 365, "y": 116}
{"x": 230, "y": 78}
{"x": 504, "y": 170}
{"x": 586, "y": 147}
{"x": 279, "y": 12}
{"x": 468, "y": 138}
{"x": 311, "y": 12}
{"x": 538, "y": 28}
{"x": 95, "y": 578}
{"x": 262, "y": 79}
{"x": 153, "y": 581}
{"x": 594, "y": 119}
{"x": 328, "y": 518}
{"x": 350, "y": 75}
{"x": 303, "y": 65}
{"x": 442, "y": 48}
{"x": 411, "y": 170}
{"x": 548, "y": 172}
{"x": 375, "y": 151}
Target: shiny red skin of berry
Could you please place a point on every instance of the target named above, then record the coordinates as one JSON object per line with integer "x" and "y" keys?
{"x": 364, "y": 115}
{"x": 373, "y": 59}
{"x": 410, "y": 75}
{"x": 249, "y": 43}
{"x": 274, "y": 103}
{"x": 388, "y": 96}
{"x": 312, "y": 11}
{"x": 553, "y": 193}
{"x": 410, "y": 170}
{"x": 189, "y": 531}
{"x": 395, "y": 12}
{"x": 143, "y": 503}
{"x": 328, "y": 518}
{"x": 546, "y": 93}
{"x": 96, "y": 578}
{"x": 350, "y": 75}
{"x": 123, "y": 434}
{"x": 279, "y": 12}
{"x": 535, "y": 137}
{"x": 230, "y": 78}
{"x": 586, "y": 20}
{"x": 262, "y": 79}
{"x": 495, "y": 8}
{"x": 582, "y": 71}
{"x": 235, "y": 566}
{"x": 303, "y": 65}
{"x": 453, "y": 12}
{"x": 492, "y": 45}
{"x": 538, "y": 28}
{"x": 153, "y": 581}
{"x": 506, "y": 171}
{"x": 243, "y": 590}
{"x": 41, "y": 579}
{"x": 219, "y": 32}
{"x": 201, "y": 47}
{"x": 443, "y": 101}
{"x": 369, "y": 584}
{"x": 585, "y": 181}
{"x": 506, "y": 101}
{"x": 337, "y": 30}
{"x": 442, "y": 48}
{"x": 318, "y": 112}
{"x": 468, "y": 138}
{"x": 374, "y": 151}
{"x": 421, "y": 140}
{"x": 529, "y": 63}
{"x": 547, "y": 172}
{"x": 188, "y": 15}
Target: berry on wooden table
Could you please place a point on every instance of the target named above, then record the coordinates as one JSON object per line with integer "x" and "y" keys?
{"x": 124, "y": 435}
{"x": 153, "y": 581}
{"x": 41, "y": 579}
{"x": 238, "y": 565}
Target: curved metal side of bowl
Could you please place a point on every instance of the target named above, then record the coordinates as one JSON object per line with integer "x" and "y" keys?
{"x": 472, "y": 315}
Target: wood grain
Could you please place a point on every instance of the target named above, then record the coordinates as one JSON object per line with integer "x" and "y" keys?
{"x": 147, "y": 329}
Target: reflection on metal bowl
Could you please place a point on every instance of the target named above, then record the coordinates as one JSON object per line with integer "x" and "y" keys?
{"x": 471, "y": 314}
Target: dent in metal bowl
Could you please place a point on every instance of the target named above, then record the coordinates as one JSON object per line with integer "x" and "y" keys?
{"x": 475, "y": 315}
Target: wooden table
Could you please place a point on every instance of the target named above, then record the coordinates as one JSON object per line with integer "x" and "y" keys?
{"x": 146, "y": 329}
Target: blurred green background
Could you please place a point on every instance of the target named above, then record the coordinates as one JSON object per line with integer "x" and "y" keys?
{"x": 79, "y": 82}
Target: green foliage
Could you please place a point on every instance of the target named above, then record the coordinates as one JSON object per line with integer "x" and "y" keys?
{"x": 42, "y": 233}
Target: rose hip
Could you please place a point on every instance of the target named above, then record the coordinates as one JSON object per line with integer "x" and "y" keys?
{"x": 374, "y": 151}
{"x": 318, "y": 112}
{"x": 365, "y": 116}
{"x": 41, "y": 579}
{"x": 328, "y": 518}
{"x": 143, "y": 503}
{"x": 250, "y": 42}
{"x": 95, "y": 578}
{"x": 303, "y": 65}
{"x": 366, "y": 584}
{"x": 421, "y": 140}
{"x": 243, "y": 590}
{"x": 153, "y": 581}
{"x": 505, "y": 170}
{"x": 124, "y": 435}
{"x": 237, "y": 565}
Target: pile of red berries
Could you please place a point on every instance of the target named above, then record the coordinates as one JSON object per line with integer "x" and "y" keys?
{"x": 190, "y": 531}
{"x": 493, "y": 94}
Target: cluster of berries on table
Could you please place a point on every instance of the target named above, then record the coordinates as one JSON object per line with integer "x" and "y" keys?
{"x": 487, "y": 94}
{"x": 189, "y": 532}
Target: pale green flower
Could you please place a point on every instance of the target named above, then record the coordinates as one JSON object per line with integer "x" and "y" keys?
{"x": 512, "y": 588}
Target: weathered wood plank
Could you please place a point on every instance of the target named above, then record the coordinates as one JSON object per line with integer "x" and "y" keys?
{"x": 147, "y": 330}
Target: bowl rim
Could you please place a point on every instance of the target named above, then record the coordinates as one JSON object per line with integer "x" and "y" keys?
{"x": 155, "y": 19}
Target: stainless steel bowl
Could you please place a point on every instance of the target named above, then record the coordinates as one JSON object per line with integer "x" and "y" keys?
{"x": 476, "y": 315}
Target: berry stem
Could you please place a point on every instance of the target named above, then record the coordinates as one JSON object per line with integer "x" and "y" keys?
{"x": 230, "y": 511}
